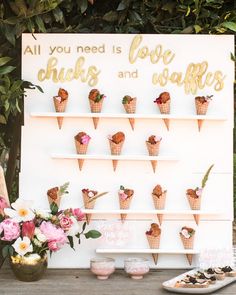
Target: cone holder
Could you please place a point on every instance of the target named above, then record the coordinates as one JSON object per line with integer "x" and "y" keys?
{"x": 195, "y": 205}
{"x": 199, "y": 123}
{"x": 60, "y": 108}
{"x": 160, "y": 218}
{"x": 132, "y": 122}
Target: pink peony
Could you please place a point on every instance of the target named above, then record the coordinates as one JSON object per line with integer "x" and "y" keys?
{"x": 10, "y": 230}
{"x": 79, "y": 215}
{"x": 122, "y": 195}
{"x": 53, "y": 234}
{"x": 3, "y": 205}
{"x": 65, "y": 222}
{"x": 28, "y": 228}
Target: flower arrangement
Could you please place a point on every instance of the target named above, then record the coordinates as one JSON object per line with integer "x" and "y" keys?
{"x": 28, "y": 233}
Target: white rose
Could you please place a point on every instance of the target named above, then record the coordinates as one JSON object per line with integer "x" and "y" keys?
{"x": 90, "y": 194}
{"x": 41, "y": 237}
{"x": 185, "y": 233}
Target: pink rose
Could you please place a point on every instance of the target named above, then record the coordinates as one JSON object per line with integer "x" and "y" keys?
{"x": 65, "y": 222}
{"x": 3, "y": 205}
{"x": 79, "y": 215}
{"x": 52, "y": 246}
{"x": 10, "y": 230}
{"x": 85, "y": 139}
{"x": 53, "y": 234}
{"x": 122, "y": 195}
{"x": 28, "y": 228}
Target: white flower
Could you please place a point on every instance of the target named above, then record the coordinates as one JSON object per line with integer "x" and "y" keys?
{"x": 21, "y": 211}
{"x": 185, "y": 233}
{"x": 74, "y": 229}
{"x": 37, "y": 242}
{"x": 157, "y": 138}
{"x": 23, "y": 246}
{"x": 39, "y": 235}
{"x": 44, "y": 214}
{"x": 90, "y": 194}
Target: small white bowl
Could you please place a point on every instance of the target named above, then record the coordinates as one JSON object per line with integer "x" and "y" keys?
{"x": 136, "y": 267}
{"x": 102, "y": 267}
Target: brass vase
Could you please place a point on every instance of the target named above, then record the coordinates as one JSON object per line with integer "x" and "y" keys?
{"x": 28, "y": 270}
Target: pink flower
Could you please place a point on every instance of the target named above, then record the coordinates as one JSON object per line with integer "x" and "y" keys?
{"x": 10, "y": 230}
{"x": 3, "y": 205}
{"x": 28, "y": 228}
{"x": 79, "y": 215}
{"x": 85, "y": 139}
{"x": 122, "y": 195}
{"x": 53, "y": 246}
{"x": 65, "y": 222}
{"x": 53, "y": 234}
{"x": 199, "y": 192}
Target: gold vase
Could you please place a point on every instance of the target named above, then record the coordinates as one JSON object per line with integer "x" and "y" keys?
{"x": 28, "y": 269}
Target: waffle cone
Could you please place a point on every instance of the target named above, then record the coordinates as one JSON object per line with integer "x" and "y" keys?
{"x": 201, "y": 108}
{"x": 124, "y": 205}
{"x": 154, "y": 243}
{"x": 60, "y": 107}
{"x": 115, "y": 150}
{"x": 57, "y": 201}
{"x": 82, "y": 150}
{"x": 159, "y": 203}
{"x": 164, "y": 107}
{"x": 130, "y": 108}
{"x": 154, "y": 165}
{"x": 96, "y": 107}
{"x": 187, "y": 243}
{"x": 153, "y": 149}
{"x": 195, "y": 204}
{"x": 88, "y": 205}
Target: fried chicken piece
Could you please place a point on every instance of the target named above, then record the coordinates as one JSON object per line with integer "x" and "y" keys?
{"x": 63, "y": 94}
{"x": 53, "y": 193}
{"x": 164, "y": 97}
{"x": 192, "y": 193}
{"x": 93, "y": 94}
{"x": 157, "y": 190}
{"x": 118, "y": 137}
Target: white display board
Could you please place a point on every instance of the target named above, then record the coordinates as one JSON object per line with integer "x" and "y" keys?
{"x": 142, "y": 66}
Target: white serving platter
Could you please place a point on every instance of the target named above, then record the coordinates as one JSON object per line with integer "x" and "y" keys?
{"x": 170, "y": 285}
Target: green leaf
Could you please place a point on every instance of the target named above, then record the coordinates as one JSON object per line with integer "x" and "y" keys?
{"x": 187, "y": 30}
{"x": 229, "y": 25}
{"x": 2, "y": 90}
{"x": 93, "y": 234}
{"x": 2, "y": 120}
{"x": 83, "y": 5}
{"x": 40, "y": 24}
{"x": 71, "y": 242}
{"x": 4, "y": 60}
{"x": 110, "y": 16}
{"x": 197, "y": 28}
{"x": 16, "y": 85}
{"x": 121, "y": 6}
{"x": 5, "y": 251}
{"x": 54, "y": 208}
{"x": 63, "y": 189}
{"x": 205, "y": 178}
{"x": 58, "y": 14}
{"x": 6, "y": 70}
{"x": 10, "y": 34}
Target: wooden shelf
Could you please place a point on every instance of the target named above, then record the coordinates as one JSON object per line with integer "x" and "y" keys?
{"x": 171, "y": 212}
{"x": 124, "y": 115}
{"x": 148, "y": 251}
{"x": 113, "y": 157}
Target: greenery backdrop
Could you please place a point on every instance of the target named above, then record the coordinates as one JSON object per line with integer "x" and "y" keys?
{"x": 87, "y": 16}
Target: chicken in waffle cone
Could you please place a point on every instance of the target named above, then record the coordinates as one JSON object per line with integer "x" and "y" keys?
{"x": 163, "y": 102}
{"x": 129, "y": 104}
{"x": 55, "y": 194}
{"x": 125, "y": 198}
{"x": 89, "y": 198}
{"x": 96, "y": 102}
{"x": 159, "y": 197}
{"x": 153, "y": 236}
{"x": 116, "y": 142}
{"x": 187, "y": 235}
{"x": 60, "y": 103}
{"x": 81, "y": 143}
{"x": 153, "y": 146}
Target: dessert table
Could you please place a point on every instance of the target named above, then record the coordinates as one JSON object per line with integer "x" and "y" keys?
{"x": 79, "y": 281}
